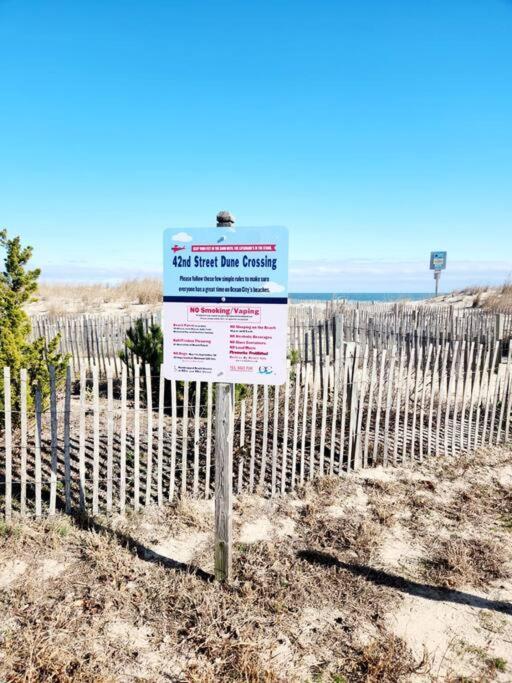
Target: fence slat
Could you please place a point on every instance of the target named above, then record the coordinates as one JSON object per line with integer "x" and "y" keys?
{"x": 304, "y": 425}
{"x": 174, "y": 428}
{"x": 53, "y": 436}
{"x": 353, "y": 404}
{"x": 240, "y": 475}
{"x": 296, "y": 401}
{"x": 122, "y": 448}
{"x": 8, "y": 443}
{"x": 323, "y": 424}
{"x": 344, "y": 394}
{"x": 358, "y": 452}
{"x": 405, "y": 427}
{"x": 389, "y": 402}
{"x": 495, "y": 400}
{"x": 490, "y": 386}
{"x": 160, "y": 437}
{"x": 334, "y": 416}
{"x": 81, "y": 442}
{"x": 441, "y": 397}
{"x": 24, "y": 440}
{"x": 197, "y": 416}
{"x": 506, "y": 395}
{"x": 482, "y": 376}
{"x": 253, "y": 437}
{"x": 379, "y": 405}
{"x": 184, "y": 439}
{"x": 373, "y": 374}
{"x": 37, "y": 454}
{"x": 474, "y": 389}
{"x": 67, "y": 430}
{"x": 243, "y": 408}
{"x": 136, "y": 437}
{"x": 417, "y": 371}
{"x": 284, "y": 461}
{"x": 149, "y": 411}
{"x": 96, "y": 441}
{"x": 509, "y": 400}
{"x": 316, "y": 384}
{"x": 426, "y": 371}
{"x": 265, "y": 438}
{"x": 274, "y": 439}
{"x": 466, "y": 385}
{"x": 401, "y": 369}
{"x": 110, "y": 437}
{"x": 209, "y": 403}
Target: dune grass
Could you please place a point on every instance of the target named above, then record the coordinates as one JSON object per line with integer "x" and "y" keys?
{"x": 81, "y": 298}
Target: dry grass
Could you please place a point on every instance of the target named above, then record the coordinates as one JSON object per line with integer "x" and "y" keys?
{"x": 387, "y": 660}
{"x": 472, "y": 290}
{"x": 305, "y": 607}
{"x": 467, "y": 562}
{"x": 497, "y": 299}
{"x": 61, "y": 298}
{"x": 500, "y": 300}
{"x": 262, "y": 629}
{"x": 351, "y": 535}
{"x": 177, "y": 517}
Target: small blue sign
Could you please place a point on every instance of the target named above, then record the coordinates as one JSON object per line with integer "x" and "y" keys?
{"x": 437, "y": 260}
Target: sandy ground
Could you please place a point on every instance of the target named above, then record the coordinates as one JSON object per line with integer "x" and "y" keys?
{"x": 386, "y": 575}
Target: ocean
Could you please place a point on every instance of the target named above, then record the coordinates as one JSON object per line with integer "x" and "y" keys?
{"x": 359, "y": 296}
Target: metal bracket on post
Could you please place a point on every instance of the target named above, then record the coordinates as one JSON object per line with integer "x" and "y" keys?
{"x": 224, "y": 406}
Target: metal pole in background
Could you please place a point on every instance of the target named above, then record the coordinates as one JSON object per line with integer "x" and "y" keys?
{"x": 224, "y": 403}
{"x": 437, "y": 275}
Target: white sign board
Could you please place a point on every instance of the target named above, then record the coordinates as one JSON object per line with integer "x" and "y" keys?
{"x": 226, "y": 304}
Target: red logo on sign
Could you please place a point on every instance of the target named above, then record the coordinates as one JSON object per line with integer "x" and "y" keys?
{"x": 176, "y": 248}
{"x": 233, "y": 247}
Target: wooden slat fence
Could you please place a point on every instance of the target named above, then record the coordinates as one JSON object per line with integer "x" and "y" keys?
{"x": 315, "y": 331}
{"x": 102, "y": 443}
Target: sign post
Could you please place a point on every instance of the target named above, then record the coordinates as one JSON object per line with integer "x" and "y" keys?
{"x": 224, "y": 400}
{"x": 437, "y": 264}
{"x": 225, "y": 321}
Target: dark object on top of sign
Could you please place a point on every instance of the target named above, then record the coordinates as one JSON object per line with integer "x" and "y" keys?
{"x": 225, "y": 218}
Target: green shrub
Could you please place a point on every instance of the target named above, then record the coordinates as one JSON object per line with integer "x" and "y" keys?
{"x": 293, "y": 356}
{"x": 18, "y": 287}
{"x": 241, "y": 392}
{"x": 147, "y": 345}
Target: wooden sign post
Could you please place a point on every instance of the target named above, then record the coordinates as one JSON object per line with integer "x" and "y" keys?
{"x": 224, "y": 403}
{"x": 225, "y": 316}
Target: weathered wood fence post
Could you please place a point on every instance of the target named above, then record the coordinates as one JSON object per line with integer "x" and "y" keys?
{"x": 224, "y": 401}
{"x": 223, "y": 480}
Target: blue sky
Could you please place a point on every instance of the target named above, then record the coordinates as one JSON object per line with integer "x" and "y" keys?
{"x": 376, "y": 131}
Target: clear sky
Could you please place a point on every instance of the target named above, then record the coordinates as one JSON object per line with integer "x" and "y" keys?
{"x": 375, "y": 130}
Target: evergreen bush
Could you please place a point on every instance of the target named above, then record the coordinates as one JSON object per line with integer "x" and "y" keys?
{"x": 18, "y": 286}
